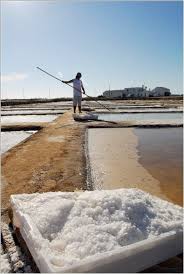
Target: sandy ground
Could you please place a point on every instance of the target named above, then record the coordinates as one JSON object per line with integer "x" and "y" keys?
{"x": 114, "y": 161}
{"x": 52, "y": 160}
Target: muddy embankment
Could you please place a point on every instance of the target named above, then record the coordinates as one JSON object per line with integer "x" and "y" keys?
{"x": 53, "y": 159}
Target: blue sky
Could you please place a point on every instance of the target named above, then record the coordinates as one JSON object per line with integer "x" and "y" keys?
{"x": 121, "y": 44}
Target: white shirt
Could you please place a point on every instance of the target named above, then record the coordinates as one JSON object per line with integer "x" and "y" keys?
{"x": 77, "y": 87}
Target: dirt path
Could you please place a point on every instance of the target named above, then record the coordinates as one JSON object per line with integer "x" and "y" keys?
{"x": 51, "y": 160}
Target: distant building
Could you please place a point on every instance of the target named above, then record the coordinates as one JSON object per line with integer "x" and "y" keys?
{"x": 127, "y": 93}
{"x": 113, "y": 93}
{"x": 136, "y": 92}
{"x": 160, "y": 91}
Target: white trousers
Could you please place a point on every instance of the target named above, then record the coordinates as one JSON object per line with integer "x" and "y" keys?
{"x": 77, "y": 100}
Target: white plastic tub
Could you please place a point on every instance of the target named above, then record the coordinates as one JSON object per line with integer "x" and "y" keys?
{"x": 28, "y": 212}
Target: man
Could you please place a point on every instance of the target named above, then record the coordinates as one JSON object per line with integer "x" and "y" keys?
{"x": 77, "y": 91}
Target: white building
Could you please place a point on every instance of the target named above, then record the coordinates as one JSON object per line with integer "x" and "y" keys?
{"x": 127, "y": 93}
{"x": 113, "y": 93}
{"x": 160, "y": 91}
{"x": 136, "y": 92}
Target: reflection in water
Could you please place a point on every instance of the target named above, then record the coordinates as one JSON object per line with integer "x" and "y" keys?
{"x": 160, "y": 152}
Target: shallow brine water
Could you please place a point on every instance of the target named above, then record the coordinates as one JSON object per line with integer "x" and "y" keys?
{"x": 161, "y": 153}
{"x": 27, "y": 119}
{"x": 177, "y": 117}
{"x": 11, "y": 138}
{"x": 148, "y": 159}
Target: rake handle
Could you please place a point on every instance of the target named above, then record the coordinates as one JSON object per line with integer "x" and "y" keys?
{"x": 72, "y": 87}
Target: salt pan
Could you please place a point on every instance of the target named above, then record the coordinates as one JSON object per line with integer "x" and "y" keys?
{"x": 12, "y": 138}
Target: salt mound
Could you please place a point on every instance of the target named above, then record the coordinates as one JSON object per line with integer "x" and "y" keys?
{"x": 74, "y": 226}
